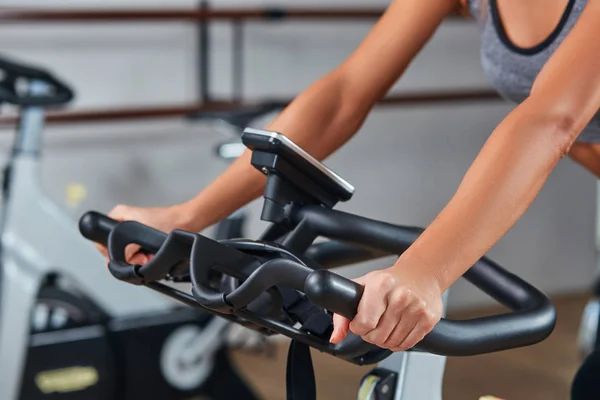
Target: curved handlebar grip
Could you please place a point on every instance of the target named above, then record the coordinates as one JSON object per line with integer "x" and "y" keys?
{"x": 96, "y": 227}
{"x": 124, "y": 234}
{"x": 532, "y": 321}
{"x": 117, "y": 236}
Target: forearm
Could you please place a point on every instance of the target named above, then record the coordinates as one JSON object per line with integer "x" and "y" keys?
{"x": 318, "y": 120}
{"x": 499, "y": 186}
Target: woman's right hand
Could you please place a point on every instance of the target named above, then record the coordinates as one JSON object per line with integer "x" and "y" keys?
{"x": 162, "y": 218}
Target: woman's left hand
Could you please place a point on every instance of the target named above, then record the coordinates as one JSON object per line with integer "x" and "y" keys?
{"x": 398, "y": 308}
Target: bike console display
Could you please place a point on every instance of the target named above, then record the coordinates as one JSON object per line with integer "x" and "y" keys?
{"x": 281, "y": 284}
{"x": 304, "y": 176}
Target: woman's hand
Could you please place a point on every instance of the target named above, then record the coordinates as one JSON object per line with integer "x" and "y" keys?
{"x": 398, "y": 308}
{"x": 162, "y": 218}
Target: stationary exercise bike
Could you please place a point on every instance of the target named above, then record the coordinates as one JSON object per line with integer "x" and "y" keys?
{"x": 589, "y": 330}
{"x": 282, "y": 283}
{"x": 585, "y": 383}
{"x": 68, "y": 330}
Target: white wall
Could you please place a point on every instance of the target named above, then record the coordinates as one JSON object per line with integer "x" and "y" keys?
{"x": 406, "y": 163}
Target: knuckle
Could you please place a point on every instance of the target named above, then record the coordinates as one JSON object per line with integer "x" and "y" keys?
{"x": 428, "y": 325}
{"x": 421, "y": 310}
{"x": 398, "y": 298}
{"x": 381, "y": 285}
{"x": 117, "y": 210}
{"x": 410, "y": 295}
{"x": 431, "y": 321}
{"x": 384, "y": 280}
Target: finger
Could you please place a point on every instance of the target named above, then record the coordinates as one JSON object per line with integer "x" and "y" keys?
{"x": 102, "y": 249}
{"x": 130, "y": 251}
{"x": 408, "y": 321}
{"x": 399, "y": 335}
{"x": 117, "y": 213}
{"x": 416, "y": 334}
{"x": 387, "y": 323}
{"x": 370, "y": 309}
{"x": 360, "y": 281}
{"x": 139, "y": 259}
{"x": 424, "y": 325}
{"x": 340, "y": 329}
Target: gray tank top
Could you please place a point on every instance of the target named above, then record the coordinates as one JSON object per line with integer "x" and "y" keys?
{"x": 512, "y": 69}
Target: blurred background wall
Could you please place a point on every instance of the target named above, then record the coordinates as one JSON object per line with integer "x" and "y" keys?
{"x": 406, "y": 162}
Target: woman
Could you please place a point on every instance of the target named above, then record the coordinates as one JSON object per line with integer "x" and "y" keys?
{"x": 542, "y": 53}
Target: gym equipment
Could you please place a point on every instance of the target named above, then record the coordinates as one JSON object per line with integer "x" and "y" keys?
{"x": 68, "y": 330}
{"x": 589, "y": 329}
{"x": 231, "y": 123}
{"x": 585, "y": 386}
{"x": 585, "y": 383}
{"x": 282, "y": 283}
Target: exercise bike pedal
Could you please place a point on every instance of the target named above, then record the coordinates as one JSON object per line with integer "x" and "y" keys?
{"x": 379, "y": 384}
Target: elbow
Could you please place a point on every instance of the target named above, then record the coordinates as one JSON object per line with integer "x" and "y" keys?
{"x": 564, "y": 129}
{"x": 559, "y": 126}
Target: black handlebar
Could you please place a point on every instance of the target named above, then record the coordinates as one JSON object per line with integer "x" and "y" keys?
{"x": 56, "y": 92}
{"x": 96, "y": 227}
{"x": 531, "y": 321}
{"x": 533, "y": 317}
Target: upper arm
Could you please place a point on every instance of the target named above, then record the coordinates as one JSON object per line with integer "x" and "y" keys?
{"x": 568, "y": 87}
{"x": 391, "y": 45}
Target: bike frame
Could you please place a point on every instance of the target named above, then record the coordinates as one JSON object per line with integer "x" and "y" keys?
{"x": 38, "y": 240}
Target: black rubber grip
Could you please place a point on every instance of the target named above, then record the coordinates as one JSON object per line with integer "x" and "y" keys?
{"x": 531, "y": 321}
{"x": 96, "y": 226}
{"x": 333, "y": 292}
{"x": 532, "y": 318}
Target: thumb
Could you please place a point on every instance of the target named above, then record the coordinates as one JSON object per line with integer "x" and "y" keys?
{"x": 340, "y": 328}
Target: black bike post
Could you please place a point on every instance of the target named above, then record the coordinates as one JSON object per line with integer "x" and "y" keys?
{"x": 237, "y": 60}
{"x": 203, "y": 55}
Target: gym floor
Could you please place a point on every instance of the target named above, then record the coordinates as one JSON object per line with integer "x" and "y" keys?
{"x": 541, "y": 372}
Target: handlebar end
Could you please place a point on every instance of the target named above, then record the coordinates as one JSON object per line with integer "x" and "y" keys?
{"x": 96, "y": 226}
{"x": 333, "y": 292}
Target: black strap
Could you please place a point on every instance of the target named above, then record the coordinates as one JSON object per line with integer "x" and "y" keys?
{"x": 300, "y": 375}
{"x": 313, "y": 319}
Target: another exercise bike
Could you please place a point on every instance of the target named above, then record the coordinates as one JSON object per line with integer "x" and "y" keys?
{"x": 589, "y": 330}
{"x": 585, "y": 386}
{"x": 282, "y": 283}
{"x": 68, "y": 330}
